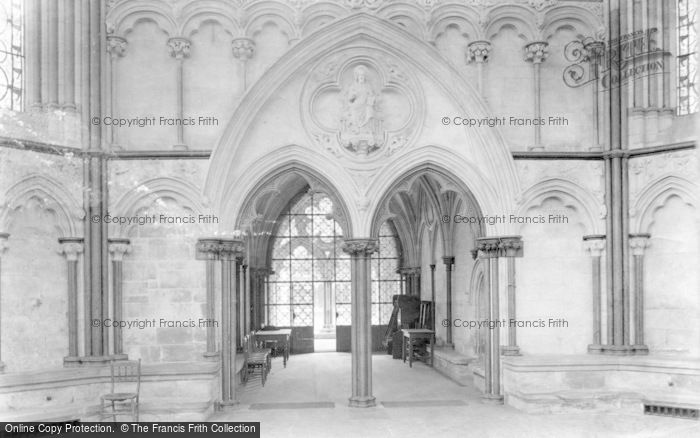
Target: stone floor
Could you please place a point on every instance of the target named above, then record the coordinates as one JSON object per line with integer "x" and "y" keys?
{"x": 309, "y": 399}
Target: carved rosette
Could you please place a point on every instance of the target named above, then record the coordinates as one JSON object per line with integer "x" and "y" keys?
{"x": 116, "y": 46}
{"x": 243, "y": 48}
{"x": 478, "y": 51}
{"x": 360, "y": 247}
{"x": 71, "y": 247}
{"x": 594, "y": 244}
{"x": 118, "y": 248}
{"x": 536, "y": 52}
{"x": 179, "y": 48}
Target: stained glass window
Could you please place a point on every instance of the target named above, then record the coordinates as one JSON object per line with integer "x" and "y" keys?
{"x": 11, "y": 56}
{"x": 385, "y": 279}
{"x": 307, "y": 257}
{"x": 687, "y": 61}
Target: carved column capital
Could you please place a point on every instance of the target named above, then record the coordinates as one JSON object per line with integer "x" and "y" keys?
{"x": 638, "y": 243}
{"x": 179, "y": 48}
{"x": 243, "y": 48}
{"x": 536, "y": 52}
{"x": 478, "y": 51}
{"x": 71, "y": 247}
{"x": 594, "y": 244}
{"x": 594, "y": 51}
{"x": 356, "y": 247}
{"x": 232, "y": 249}
{"x": 511, "y": 246}
{"x": 448, "y": 260}
{"x": 207, "y": 249}
{"x": 3, "y": 242}
{"x": 118, "y": 248}
{"x": 116, "y": 46}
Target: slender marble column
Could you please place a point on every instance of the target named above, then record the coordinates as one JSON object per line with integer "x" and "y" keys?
{"x": 511, "y": 247}
{"x": 68, "y": 101}
{"x": 478, "y": 52}
{"x": 415, "y": 281}
{"x": 208, "y": 250}
{"x": 245, "y": 302}
{"x": 72, "y": 247}
{"x": 536, "y": 52}
{"x": 595, "y": 51}
{"x": 116, "y": 47}
{"x": 490, "y": 248}
{"x": 448, "y": 261}
{"x": 243, "y": 50}
{"x": 180, "y": 49}
{"x": 230, "y": 250}
{"x": 595, "y": 246}
{"x": 638, "y": 243}
{"x": 3, "y": 247}
{"x": 360, "y": 251}
{"x": 118, "y": 248}
{"x": 432, "y": 296}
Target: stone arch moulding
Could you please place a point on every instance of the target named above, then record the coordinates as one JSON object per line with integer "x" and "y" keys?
{"x": 243, "y": 209}
{"x": 444, "y": 175}
{"x": 654, "y": 196}
{"x": 570, "y": 192}
{"x": 54, "y": 197}
{"x": 150, "y": 191}
{"x": 485, "y": 161}
{"x": 124, "y": 16}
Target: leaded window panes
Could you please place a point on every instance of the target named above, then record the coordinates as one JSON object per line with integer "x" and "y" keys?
{"x": 687, "y": 62}
{"x": 11, "y": 55}
{"x": 385, "y": 279}
{"x": 307, "y": 256}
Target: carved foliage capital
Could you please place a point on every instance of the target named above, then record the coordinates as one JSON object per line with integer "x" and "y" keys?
{"x": 118, "y": 248}
{"x": 536, "y": 52}
{"x": 595, "y": 245}
{"x": 179, "y": 48}
{"x": 243, "y": 48}
{"x": 116, "y": 46}
{"x": 638, "y": 243}
{"x": 493, "y": 247}
{"x": 71, "y": 247}
{"x": 360, "y": 247}
{"x": 3, "y": 242}
{"x": 478, "y": 51}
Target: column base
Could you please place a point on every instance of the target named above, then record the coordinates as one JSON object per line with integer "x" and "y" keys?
{"x": 212, "y": 355}
{"x": 510, "y": 350}
{"x": 535, "y": 148}
{"x": 91, "y": 361}
{"x": 496, "y": 399}
{"x": 180, "y": 147}
{"x": 2, "y": 367}
{"x": 619, "y": 350}
{"x": 221, "y": 404}
{"x": 362, "y": 402}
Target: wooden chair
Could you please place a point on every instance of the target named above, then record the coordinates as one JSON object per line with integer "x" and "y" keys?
{"x": 255, "y": 359}
{"x": 123, "y": 397}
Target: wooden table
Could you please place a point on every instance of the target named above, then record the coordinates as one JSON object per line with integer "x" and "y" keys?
{"x": 282, "y": 337}
{"x": 411, "y": 335}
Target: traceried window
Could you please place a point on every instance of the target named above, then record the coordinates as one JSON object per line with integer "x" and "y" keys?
{"x": 308, "y": 260}
{"x": 687, "y": 61}
{"x": 386, "y": 282}
{"x": 11, "y": 56}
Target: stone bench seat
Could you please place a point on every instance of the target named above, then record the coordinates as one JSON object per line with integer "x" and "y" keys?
{"x": 453, "y": 364}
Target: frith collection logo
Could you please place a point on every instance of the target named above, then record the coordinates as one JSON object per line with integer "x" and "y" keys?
{"x": 614, "y": 63}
